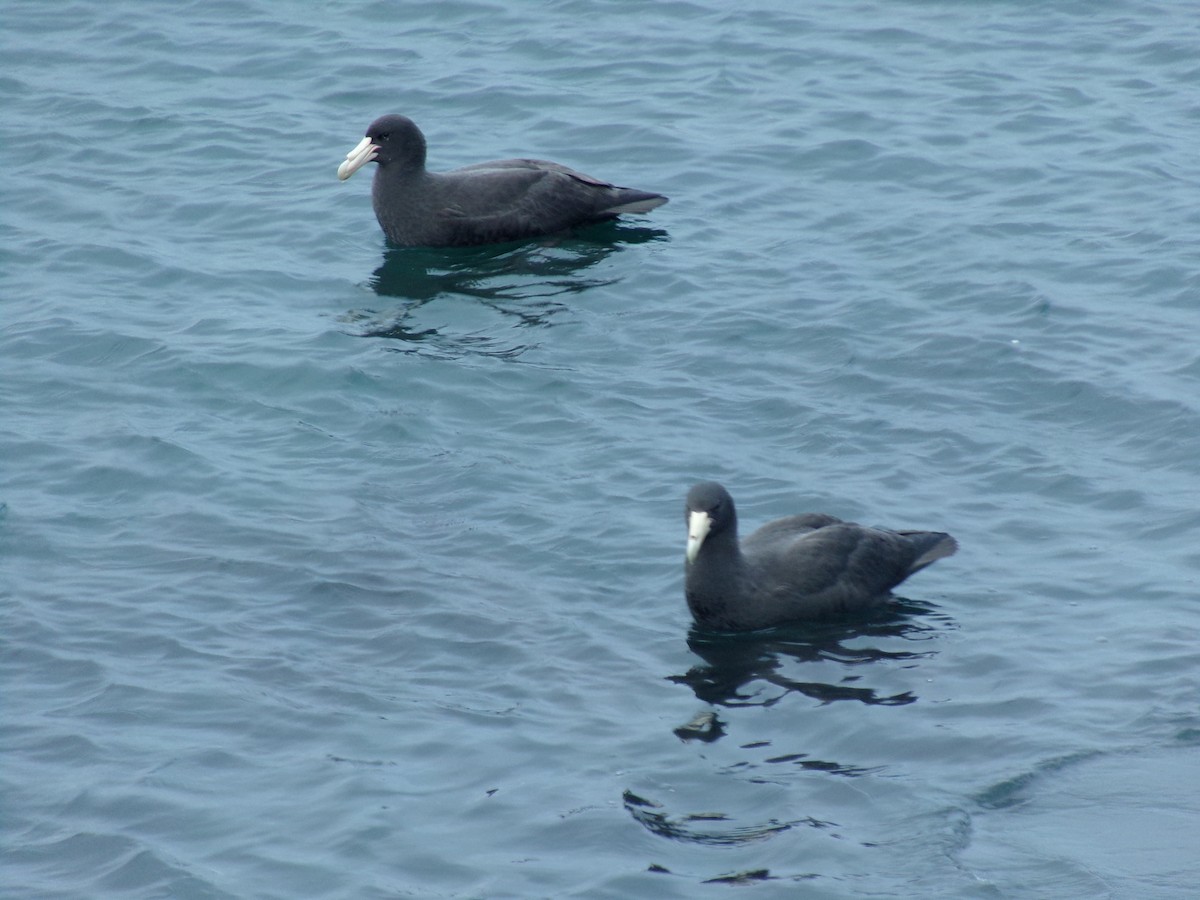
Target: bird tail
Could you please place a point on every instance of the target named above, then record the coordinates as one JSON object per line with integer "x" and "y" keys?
{"x": 931, "y": 546}
{"x": 631, "y": 201}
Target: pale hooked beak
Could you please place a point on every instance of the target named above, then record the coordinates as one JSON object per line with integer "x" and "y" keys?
{"x": 362, "y": 154}
{"x": 698, "y": 525}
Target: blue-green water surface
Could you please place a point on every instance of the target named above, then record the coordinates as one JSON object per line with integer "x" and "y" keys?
{"x": 331, "y": 570}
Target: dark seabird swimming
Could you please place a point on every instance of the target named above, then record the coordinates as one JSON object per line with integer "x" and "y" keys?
{"x": 810, "y": 566}
{"x": 486, "y": 203}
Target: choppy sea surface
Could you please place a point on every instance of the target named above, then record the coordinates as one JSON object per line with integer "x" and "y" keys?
{"x": 334, "y": 570}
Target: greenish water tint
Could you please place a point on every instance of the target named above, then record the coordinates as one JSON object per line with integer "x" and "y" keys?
{"x": 330, "y": 570}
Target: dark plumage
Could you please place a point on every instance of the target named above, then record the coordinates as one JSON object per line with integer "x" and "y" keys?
{"x": 505, "y": 200}
{"x": 809, "y": 566}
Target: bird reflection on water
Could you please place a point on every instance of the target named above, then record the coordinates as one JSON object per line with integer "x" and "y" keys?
{"x": 526, "y": 284}
{"x": 746, "y": 669}
{"x": 743, "y": 669}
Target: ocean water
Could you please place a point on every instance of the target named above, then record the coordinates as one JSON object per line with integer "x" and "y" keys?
{"x": 334, "y": 570}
